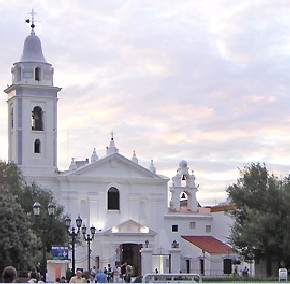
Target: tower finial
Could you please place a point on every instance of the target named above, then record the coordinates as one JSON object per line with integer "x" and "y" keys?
{"x": 112, "y": 148}
{"x": 32, "y": 13}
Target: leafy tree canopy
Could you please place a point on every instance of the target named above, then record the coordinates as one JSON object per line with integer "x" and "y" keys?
{"x": 17, "y": 240}
{"x": 20, "y": 233}
{"x": 262, "y": 227}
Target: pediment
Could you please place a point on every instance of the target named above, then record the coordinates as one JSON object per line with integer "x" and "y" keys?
{"x": 116, "y": 166}
{"x": 130, "y": 227}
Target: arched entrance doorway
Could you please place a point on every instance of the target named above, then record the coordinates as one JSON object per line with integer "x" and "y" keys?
{"x": 131, "y": 254}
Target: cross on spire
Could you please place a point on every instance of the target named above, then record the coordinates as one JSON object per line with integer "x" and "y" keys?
{"x": 32, "y": 13}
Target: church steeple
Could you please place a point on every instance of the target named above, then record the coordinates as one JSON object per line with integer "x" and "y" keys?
{"x": 32, "y": 50}
{"x": 112, "y": 148}
{"x": 32, "y": 105}
{"x": 183, "y": 184}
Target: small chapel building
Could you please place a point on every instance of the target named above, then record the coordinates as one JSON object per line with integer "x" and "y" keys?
{"x": 126, "y": 202}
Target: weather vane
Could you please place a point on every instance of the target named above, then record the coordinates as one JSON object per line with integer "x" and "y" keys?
{"x": 32, "y": 13}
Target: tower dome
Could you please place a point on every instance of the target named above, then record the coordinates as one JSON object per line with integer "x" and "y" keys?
{"x": 32, "y": 68}
{"x": 182, "y": 164}
{"x": 32, "y": 50}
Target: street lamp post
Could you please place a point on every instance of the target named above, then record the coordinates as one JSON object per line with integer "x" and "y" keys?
{"x": 73, "y": 234}
{"x": 88, "y": 238}
{"x": 36, "y": 211}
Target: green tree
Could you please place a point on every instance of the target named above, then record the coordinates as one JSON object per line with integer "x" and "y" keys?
{"x": 17, "y": 240}
{"x": 262, "y": 227}
{"x": 16, "y": 219}
{"x": 56, "y": 229}
{"x": 11, "y": 178}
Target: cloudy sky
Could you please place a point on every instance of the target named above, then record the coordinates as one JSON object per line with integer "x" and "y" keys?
{"x": 206, "y": 81}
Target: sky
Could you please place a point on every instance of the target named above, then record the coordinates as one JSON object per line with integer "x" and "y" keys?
{"x": 206, "y": 81}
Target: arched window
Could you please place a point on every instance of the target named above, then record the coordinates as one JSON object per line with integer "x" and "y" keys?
{"x": 37, "y": 74}
{"x": 37, "y": 119}
{"x": 113, "y": 199}
{"x": 37, "y": 146}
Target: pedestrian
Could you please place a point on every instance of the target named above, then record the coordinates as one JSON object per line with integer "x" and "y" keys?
{"x": 123, "y": 270}
{"x": 109, "y": 273}
{"x": 101, "y": 277}
{"x": 33, "y": 274}
{"x": 78, "y": 278}
{"x": 9, "y": 274}
{"x": 129, "y": 271}
{"x": 245, "y": 271}
{"x": 92, "y": 278}
{"x": 236, "y": 271}
{"x": 94, "y": 270}
{"x": 117, "y": 273}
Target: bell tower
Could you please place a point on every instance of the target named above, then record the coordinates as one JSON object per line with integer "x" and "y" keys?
{"x": 183, "y": 184}
{"x": 32, "y": 111}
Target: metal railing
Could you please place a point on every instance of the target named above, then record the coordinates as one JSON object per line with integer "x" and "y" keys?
{"x": 168, "y": 278}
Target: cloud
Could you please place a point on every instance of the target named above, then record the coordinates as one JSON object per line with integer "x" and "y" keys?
{"x": 204, "y": 81}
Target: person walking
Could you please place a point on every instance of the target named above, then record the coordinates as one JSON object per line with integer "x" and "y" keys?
{"x": 117, "y": 273}
{"x": 78, "y": 278}
{"x": 110, "y": 273}
{"x": 129, "y": 271}
{"x": 123, "y": 271}
{"x": 101, "y": 277}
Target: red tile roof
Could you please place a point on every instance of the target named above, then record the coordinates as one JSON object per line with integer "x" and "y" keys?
{"x": 209, "y": 244}
{"x": 226, "y": 207}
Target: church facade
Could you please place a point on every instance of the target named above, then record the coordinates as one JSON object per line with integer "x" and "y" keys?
{"x": 126, "y": 203}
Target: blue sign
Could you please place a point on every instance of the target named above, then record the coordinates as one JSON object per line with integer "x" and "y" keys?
{"x": 59, "y": 253}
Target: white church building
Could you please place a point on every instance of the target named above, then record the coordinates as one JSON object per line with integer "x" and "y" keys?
{"x": 127, "y": 203}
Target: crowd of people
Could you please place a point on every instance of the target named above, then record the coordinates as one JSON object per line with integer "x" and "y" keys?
{"x": 116, "y": 274}
{"x": 9, "y": 275}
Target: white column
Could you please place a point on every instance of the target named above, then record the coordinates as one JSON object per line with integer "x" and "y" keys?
{"x": 175, "y": 198}
{"x": 175, "y": 260}
{"x": 146, "y": 257}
